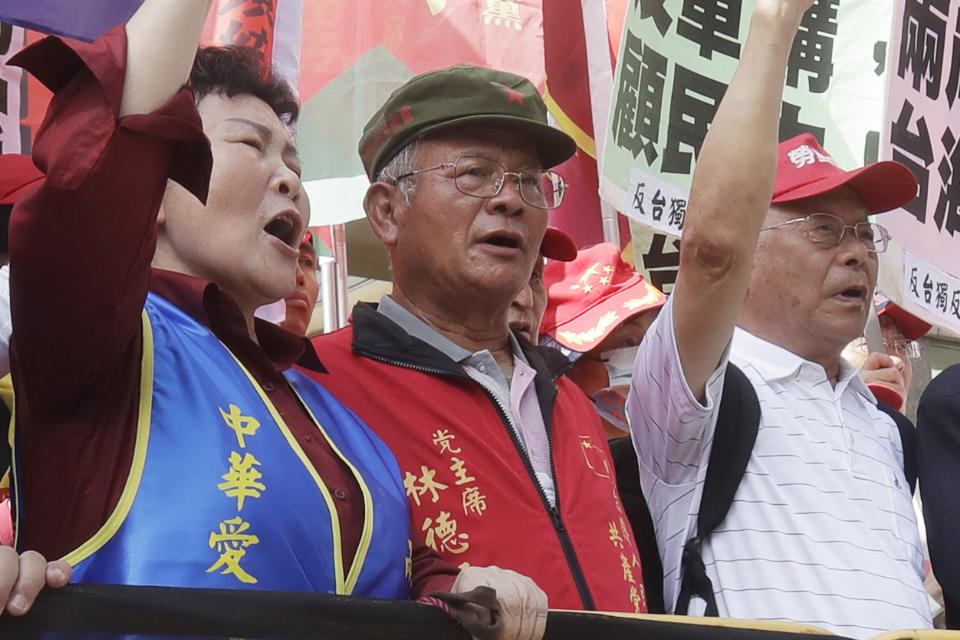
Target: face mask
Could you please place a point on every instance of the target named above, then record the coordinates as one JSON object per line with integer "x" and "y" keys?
{"x": 619, "y": 365}
{"x": 611, "y": 402}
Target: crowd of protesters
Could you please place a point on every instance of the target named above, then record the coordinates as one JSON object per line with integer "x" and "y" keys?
{"x": 450, "y": 445}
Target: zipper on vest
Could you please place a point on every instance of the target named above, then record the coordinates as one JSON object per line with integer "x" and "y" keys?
{"x": 573, "y": 563}
{"x": 565, "y": 542}
{"x": 407, "y": 365}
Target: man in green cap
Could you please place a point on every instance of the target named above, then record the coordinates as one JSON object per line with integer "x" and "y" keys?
{"x": 489, "y": 436}
{"x": 172, "y": 389}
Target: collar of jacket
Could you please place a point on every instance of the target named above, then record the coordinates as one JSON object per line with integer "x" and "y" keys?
{"x": 376, "y": 336}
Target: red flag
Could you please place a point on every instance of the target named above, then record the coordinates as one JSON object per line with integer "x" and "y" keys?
{"x": 579, "y": 66}
{"x": 247, "y": 23}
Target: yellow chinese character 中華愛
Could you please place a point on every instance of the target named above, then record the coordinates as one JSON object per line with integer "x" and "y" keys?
{"x": 241, "y": 481}
{"x": 231, "y": 543}
{"x": 416, "y": 487}
{"x": 241, "y": 424}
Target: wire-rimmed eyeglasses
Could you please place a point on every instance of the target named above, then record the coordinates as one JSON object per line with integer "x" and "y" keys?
{"x": 905, "y": 348}
{"x": 483, "y": 178}
{"x": 828, "y": 230}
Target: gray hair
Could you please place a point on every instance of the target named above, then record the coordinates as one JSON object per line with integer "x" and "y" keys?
{"x": 403, "y": 163}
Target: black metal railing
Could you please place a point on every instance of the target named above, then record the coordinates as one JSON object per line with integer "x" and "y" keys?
{"x": 94, "y": 610}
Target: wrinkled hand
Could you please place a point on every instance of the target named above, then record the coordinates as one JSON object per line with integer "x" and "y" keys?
{"x": 523, "y": 605}
{"x": 879, "y": 368}
{"x": 23, "y": 576}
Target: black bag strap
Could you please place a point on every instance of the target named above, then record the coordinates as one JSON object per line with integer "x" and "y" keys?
{"x": 638, "y": 513}
{"x": 738, "y": 420}
{"x": 908, "y": 441}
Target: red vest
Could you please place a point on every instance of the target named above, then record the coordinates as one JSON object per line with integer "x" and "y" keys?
{"x": 471, "y": 491}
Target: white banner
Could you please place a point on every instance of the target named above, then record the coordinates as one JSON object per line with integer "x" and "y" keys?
{"x": 675, "y": 61}
{"x": 929, "y": 289}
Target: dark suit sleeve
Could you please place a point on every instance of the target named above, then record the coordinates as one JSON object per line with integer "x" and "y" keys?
{"x": 938, "y": 430}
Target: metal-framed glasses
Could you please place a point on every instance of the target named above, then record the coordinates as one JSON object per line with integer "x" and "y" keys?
{"x": 827, "y": 229}
{"x": 483, "y": 178}
{"x": 905, "y": 348}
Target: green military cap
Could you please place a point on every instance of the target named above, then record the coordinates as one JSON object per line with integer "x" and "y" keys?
{"x": 458, "y": 95}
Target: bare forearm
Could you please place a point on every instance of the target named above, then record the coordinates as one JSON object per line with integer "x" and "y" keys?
{"x": 736, "y": 167}
{"x": 732, "y": 186}
{"x": 162, "y": 39}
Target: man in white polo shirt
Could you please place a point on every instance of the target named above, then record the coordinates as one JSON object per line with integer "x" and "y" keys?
{"x": 821, "y": 528}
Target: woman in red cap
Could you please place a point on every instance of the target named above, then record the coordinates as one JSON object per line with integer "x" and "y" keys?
{"x": 598, "y": 310}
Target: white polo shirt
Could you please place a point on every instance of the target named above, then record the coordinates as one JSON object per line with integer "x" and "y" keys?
{"x": 822, "y": 529}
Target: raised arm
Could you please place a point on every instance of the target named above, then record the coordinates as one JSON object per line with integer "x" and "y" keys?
{"x": 162, "y": 38}
{"x": 732, "y": 186}
{"x": 81, "y": 245}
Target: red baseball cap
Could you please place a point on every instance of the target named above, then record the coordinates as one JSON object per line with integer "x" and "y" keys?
{"x": 804, "y": 170}
{"x": 18, "y": 175}
{"x": 557, "y": 245}
{"x": 307, "y": 240}
{"x": 910, "y": 325}
{"x": 593, "y": 295}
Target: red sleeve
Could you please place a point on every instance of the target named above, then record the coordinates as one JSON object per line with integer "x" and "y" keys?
{"x": 431, "y": 571}
{"x": 81, "y": 244}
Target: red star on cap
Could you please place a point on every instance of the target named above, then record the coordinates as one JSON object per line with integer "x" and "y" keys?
{"x": 513, "y": 96}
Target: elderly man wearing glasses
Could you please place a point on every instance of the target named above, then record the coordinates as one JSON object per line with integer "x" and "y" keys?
{"x": 491, "y": 438}
{"x": 889, "y": 373}
{"x": 777, "y": 271}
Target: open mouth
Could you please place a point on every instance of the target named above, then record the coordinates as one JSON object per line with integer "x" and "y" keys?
{"x": 286, "y": 228}
{"x": 856, "y": 293}
{"x": 505, "y": 240}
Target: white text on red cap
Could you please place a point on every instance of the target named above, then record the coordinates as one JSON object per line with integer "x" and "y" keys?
{"x": 805, "y": 154}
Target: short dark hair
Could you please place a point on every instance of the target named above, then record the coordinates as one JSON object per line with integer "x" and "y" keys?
{"x": 234, "y": 71}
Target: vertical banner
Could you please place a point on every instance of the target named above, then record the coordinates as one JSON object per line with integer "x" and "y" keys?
{"x": 274, "y": 28}
{"x": 245, "y": 23}
{"x": 11, "y": 81}
{"x": 572, "y": 40}
{"x": 675, "y": 61}
{"x": 923, "y": 132}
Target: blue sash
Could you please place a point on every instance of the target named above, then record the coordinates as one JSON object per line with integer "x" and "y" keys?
{"x": 221, "y": 495}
